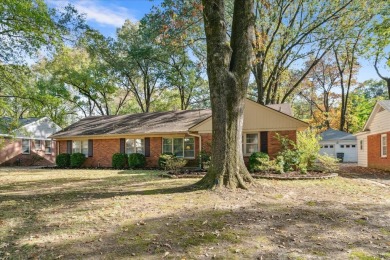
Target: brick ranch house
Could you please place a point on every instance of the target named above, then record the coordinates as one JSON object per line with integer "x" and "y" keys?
{"x": 184, "y": 133}
{"x": 374, "y": 141}
{"x": 27, "y": 143}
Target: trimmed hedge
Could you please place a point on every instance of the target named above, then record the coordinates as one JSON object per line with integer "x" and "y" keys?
{"x": 137, "y": 160}
{"x": 63, "y": 160}
{"x": 77, "y": 160}
{"x": 162, "y": 160}
{"x": 256, "y": 160}
{"x": 119, "y": 160}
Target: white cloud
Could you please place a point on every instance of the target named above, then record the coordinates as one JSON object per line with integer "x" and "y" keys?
{"x": 103, "y": 13}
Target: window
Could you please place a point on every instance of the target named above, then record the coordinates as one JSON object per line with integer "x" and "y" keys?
{"x": 341, "y": 146}
{"x": 48, "y": 148}
{"x": 384, "y": 145}
{"x": 80, "y": 147}
{"x": 325, "y": 146}
{"x": 361, "y": 144}
{"x": 348, "y": 146}
{"x": 353, "y": 146}
{"x": 38, "y": 145}
{"x": 251, "y": 143}
{"x": 135, "y": 146}
{"x": 25, "y": 146}
{"x": 331, "y": 146}
{"x": 180, "y": 147}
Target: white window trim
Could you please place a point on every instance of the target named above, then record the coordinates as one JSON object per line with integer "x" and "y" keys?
{"x": 29, "y": 146}
{"x": 383, "y": 145}
{"x": 162, "y": 146}
{"x": 35, "y": 144}
{"x": 81, "y": 146}
{"x": 51, "y": 146}
{"x": 244, "y": 142}
{"x": 143, "y": 147}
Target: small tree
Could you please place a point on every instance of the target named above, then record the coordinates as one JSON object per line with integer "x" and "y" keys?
{"x": 308, "y": 144}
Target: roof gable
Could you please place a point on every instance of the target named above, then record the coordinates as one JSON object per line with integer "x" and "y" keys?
{"x": 380, "y": 106}
{"x": 36, "y": 128}
{"x": 257, "y": 118}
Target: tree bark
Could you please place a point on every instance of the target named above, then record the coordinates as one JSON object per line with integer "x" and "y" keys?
{"x": 228, "y": 69}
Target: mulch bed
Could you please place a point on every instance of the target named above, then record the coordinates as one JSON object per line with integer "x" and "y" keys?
{"x": 258, "y": 175}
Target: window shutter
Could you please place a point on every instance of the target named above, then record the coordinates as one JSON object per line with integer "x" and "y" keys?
{"x": 90, "y": 148}
{"x": 147, "y": 147}
{"x": 69, "y": 146}
{"x": 264, "y": 142}
{"x": 122, "y": 145}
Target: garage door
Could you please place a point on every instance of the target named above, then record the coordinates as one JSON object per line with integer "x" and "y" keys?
{"x": 328, "y": 149}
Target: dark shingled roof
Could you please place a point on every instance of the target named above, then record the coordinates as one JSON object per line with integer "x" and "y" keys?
{"x": 142, "y": 123}
{"x": 332, "y": 134}
{"x": 284, "y": 108}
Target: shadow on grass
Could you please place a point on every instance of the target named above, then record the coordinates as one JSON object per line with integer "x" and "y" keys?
{"x": 267, "y": 231}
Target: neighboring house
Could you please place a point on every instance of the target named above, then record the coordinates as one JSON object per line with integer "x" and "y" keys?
{"x": 28, "y": 143}
{"x": 184, "y": 133}
{"x": 374, "y": 140}
{"x": 339, "y": 144}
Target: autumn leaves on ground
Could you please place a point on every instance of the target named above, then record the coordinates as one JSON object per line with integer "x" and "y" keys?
{"x": 107, "y": 214}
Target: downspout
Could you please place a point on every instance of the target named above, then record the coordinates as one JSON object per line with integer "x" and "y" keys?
{"x": 200, "y": 147}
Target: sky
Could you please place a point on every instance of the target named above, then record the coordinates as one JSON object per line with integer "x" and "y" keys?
{"x": 108, "y": 15}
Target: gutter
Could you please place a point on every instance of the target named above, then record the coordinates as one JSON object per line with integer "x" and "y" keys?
{"x": 200, "y": 146}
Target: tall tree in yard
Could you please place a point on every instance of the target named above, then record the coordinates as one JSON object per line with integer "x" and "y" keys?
{"x": 228, "y": 68}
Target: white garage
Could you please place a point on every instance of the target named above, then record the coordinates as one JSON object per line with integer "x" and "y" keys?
{"x": 339, "y": 144}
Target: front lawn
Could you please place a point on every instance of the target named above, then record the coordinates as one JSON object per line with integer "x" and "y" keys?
{"x": 109, "y": 214}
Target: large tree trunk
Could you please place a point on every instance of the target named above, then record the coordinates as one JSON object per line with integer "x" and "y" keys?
{"x": 228, "y": 68}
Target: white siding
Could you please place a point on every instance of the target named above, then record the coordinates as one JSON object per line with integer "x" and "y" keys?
{"x": 362, "y": 153}
{"x": 40, "y": 129}
{"x": 259, "y": 118}
{"x": 350, "y": 153}
{"x": 380, "y": 123}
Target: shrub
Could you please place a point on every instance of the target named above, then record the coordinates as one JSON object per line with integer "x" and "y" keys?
{"x": 205, "y": 159}
{"x": 63, "y": 160}
{"x": 137, "y": 160}
{"x": 119, "y": 160}
{"x": 258, "y": 161}
{"x": 289, "y": 153}
{"x": 77, "y": 159}
{"x": 328, "y": 163}
{"x": 308, "y": 145}
{"x": 175, "y": 163}
{"x": 162, "y": 160}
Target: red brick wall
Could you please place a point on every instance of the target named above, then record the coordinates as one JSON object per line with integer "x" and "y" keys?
{"x": 103, "y": 149}
{"x": 374, "y": 152}
{"x": 273, "y": 143}
{"x": 11, "y": 155}
{"x": 155, "y": 151}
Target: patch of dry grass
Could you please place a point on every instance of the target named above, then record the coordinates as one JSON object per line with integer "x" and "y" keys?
{"x": 112, "y": 214}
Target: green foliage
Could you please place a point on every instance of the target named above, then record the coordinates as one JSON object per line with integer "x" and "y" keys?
{"x": 63, "y": 160}
{"x": 289, "y": 153}
{"x": 258, "y": 161}
{"x": 136, "y": 160}
{"x": 308, "y": 145}
{"x": 328, "y": 163}
{"x": 205, "y": 159}
{"x": 174, "y": 163}
{"x": 77, "y": 160}
{"x": 162, "y": 160}
{"x": 119, "y": 160}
